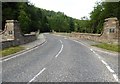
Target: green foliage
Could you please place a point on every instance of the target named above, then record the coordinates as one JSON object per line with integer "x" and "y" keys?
{"x": 32, "y": 18}
{"x": 58, "y": 21}
{"x": 11, "y": 50}
{"x": 9, "y": 11}
{"x": 71, "y": 23}
{"x": 109, "y": 47}
{"x": 23, "y": 18}
{"x": 102, "y": 11}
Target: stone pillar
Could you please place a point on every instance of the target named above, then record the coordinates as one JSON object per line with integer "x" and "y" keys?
{"x": 111, "y": 29}
{"x": 9, "y": 30}
{"x": 12, "y": 31}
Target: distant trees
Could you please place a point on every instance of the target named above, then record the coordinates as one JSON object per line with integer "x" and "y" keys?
{"x": 32, "y": 18}
{"x": 102, "y": 10}
{"x": 59, "y": 22}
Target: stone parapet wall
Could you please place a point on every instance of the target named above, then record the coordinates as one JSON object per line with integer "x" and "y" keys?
{"x": 12, "y": 35}
{"x": 25, "y": 39}
{"x": 110, "y": 34}
{"x": 29, "y": 38}
{"x": 6, "y": 44}
{"x": 94, "y": 37}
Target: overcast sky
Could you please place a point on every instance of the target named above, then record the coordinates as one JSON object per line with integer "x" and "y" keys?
{"x": 73, "y": 8}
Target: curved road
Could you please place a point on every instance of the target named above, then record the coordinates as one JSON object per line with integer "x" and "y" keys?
{"x": 58, "y": 60}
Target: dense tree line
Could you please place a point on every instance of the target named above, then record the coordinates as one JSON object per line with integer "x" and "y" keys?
{"x": 32, "y": 18}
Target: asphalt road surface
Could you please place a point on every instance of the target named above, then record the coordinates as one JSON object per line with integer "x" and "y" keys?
{"x": 60, "y": 59}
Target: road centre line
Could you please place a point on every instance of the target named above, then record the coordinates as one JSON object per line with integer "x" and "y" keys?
{"x": 36, "y": 76}
{"x": 45, "y": 68}
{"x": 60, "y": 49}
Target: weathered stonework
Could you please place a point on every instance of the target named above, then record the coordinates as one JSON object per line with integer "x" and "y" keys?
{"x": 111, "y": 28}
{"x": 111, "y": 32}
{"x": 12, "y": 35}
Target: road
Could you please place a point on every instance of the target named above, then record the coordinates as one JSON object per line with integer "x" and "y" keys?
{"x": 60, "y": 59}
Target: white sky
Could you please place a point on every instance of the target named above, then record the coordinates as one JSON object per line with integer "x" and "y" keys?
{"x": 73, "y": 8}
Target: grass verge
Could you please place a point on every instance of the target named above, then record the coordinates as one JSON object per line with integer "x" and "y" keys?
{"x": 11, "y": 50}
{"x": 111, "y": 47}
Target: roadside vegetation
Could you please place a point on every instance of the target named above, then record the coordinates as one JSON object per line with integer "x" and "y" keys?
{"x": 111, "y": 47}
{"x": 11, "y": 50}
{"x": 32, "y": 18}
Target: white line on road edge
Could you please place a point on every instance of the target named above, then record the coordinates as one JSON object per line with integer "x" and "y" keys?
{"x": 105, "y": 52}
{"x": 80, "y": 43}
{"x": 93, "y": 51}
{"x": 61, "y": 42}
{"x": 115, "y": 77}
{"x": 19, "y": 54}
{"x": 110, "y": 69}
{"x": 65, "y": 38}
{"x": 104, "y": 62}
{"x": 99, "y": 57}
{"x": 36, "y": 76}
{"x": 60, "y": 49}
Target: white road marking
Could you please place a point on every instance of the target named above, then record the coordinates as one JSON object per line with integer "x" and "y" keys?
{"x": 20, "y": 54}
{"x": 36, "y": 75}
{"x": 60, "y": 49}
{"x": 91, "y": 49}
{"x": 108, "y": 67}
{"x": 61, "y": 42}
{"x": 106, "y": 52}
{"x": 115, "y": 77}
{"x": 99, "y": 57}
{"x": 65, "y": 38}
{"x": 94, "y": 52}
{"x": 104, "y": 62}
{"x": 80, "y": 43}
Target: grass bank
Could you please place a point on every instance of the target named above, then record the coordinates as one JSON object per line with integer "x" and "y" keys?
{"x": 11, "y": 50}
{"x": 111, "y": 47}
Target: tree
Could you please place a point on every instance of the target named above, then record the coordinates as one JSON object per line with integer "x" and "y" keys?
{"x": 24, "y": 18}
{"x": 71, "y": 23}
